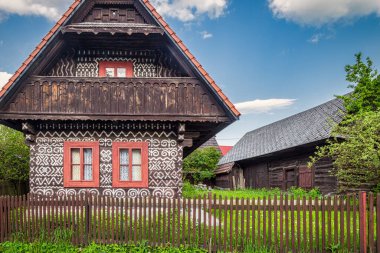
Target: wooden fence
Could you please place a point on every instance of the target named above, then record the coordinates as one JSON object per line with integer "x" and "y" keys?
{"x": 347, "y": 223}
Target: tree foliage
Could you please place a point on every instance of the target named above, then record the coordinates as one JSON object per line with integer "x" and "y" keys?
{"x": 355, "y": 142}
{"x": 14, "y": 156}
{"x": 201, "y": 164}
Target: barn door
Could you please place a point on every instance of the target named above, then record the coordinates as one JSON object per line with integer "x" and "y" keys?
{"x": 305, "y": 177}
{"x": 290, "y": 178}
{"x": 238, "y": 181}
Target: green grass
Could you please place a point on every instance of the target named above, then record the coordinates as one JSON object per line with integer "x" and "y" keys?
{"x": 50, "y": 247}
{"x": 169, "y": 230}
{"x": 190, "y": 191}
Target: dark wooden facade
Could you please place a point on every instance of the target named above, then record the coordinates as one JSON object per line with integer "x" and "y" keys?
{"x": 282, "y": 170}
{"x": 59, "y": 95}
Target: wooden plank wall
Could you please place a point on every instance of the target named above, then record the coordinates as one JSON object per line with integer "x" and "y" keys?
{"x": 51, "y": 95}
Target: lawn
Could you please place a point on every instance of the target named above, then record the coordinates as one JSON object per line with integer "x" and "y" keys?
{"x": 190, "y": 191}
{"x": 65, "y": 247}
{"x": 300, "y": 229}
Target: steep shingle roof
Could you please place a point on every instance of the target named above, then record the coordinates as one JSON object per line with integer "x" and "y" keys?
{"x": 213, "y": 143}
{"x": 300, "y": 129}
{"x": 73, "y": 8}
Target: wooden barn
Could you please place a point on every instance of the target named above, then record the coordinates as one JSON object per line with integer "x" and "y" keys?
{"x": 111, "y": 101}
{"x": 276, "y": 155}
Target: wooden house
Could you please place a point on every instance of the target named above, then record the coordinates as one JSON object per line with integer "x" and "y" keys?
{"x": 277, "y": 155}
{"x": 111, "y": 101}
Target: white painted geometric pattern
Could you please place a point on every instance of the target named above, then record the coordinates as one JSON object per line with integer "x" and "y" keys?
{"x": 165, "y": 161}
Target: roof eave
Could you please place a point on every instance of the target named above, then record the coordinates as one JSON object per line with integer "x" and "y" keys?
{"x": 19, "y": 74}
{"x": 234, "y": 114}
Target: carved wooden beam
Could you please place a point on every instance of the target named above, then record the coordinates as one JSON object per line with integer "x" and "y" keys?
{"x": 181, "y": 128}
{"x": 188, "y": 143}
{"x": 181, "y": 132}
{"x": 192, "y": 135}
{"x": 29, "y": 138}
{"x": 30, "y": 133}
{"x": 28, "y": 128}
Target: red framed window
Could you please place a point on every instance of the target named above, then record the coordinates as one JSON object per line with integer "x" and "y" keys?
{"x": 121, "y": 69}
{"x": 130, "y": 165}
{"x": 81, "y": 164}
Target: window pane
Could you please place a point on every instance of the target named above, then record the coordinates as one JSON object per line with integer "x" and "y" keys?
{"x": 124, "y": 173}
{"x": 87, "y": 156}
{"x": 75, "y": 173}
{"x": 75, "y": 156}
{"x": 88, "y": 172}
{"x": 136, "y": 173}
{"x": 110, "y": 72}
{"x": 121, "y": 72}
{"x": 124, "y": 157}
{"x": 136, "y": 157}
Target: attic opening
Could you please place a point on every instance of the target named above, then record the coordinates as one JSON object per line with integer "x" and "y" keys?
{"x": 82, "y": 56}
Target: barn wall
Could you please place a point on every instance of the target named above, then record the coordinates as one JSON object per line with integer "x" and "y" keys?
{"x": 223, "y": 181}
{"x": 165, "y": 162}
{"x": 256, "y": 175}
{"x": 284, "y": 172}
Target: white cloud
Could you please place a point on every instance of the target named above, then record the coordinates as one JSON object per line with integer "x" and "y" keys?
{"x": 321, "y": 12}
{"x": 183, "y": 10}
{"x": 263, "y": 106}
{"x": 316, "y": 38}
{"x": 4, "y": 78}
{"x": 51, "y": 9}
{"x": 189, "y": 10}
{"x": 206, "y": 35}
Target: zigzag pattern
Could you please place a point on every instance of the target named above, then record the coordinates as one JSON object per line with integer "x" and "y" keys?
{"x": 102, "y": 134}
{"x": 47, "y": 181}
{"x": 165, "y": 159}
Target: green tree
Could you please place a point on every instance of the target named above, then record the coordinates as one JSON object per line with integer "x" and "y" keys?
{"x": 201, "y": 164}
{"x": 355, "y": 142}
{"x": 14, "y": 157}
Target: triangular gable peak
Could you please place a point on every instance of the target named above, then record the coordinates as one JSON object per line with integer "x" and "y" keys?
{"x": 114, "y": 12}
{"x": 112, "y": 21}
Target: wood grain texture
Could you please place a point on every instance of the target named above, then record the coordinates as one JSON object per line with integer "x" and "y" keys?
{"x": 95, "y": 97}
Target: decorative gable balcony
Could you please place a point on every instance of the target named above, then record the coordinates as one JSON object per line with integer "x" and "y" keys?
{"x": 68, "y": 98}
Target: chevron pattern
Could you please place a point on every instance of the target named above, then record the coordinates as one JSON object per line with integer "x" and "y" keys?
{"x": 165, "y": 161}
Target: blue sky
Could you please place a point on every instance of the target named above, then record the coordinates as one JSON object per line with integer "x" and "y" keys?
{"x": 287, "y": 53}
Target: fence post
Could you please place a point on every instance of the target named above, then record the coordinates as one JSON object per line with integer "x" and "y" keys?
{"x": 363, "y": 221}
{"x": 378, "y": 222}
{"x": 87, "y": 216}
{"x": 1, "y": 219}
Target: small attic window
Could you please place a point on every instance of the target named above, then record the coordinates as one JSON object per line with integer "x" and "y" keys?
{"x": 117, "y": 69}
{"x": 114, "y": 14}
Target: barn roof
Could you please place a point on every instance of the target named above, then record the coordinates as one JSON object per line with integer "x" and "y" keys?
{"x": 173, "y": 36}
{"x": 213, "y": 143}
{"x": 303, "y": 128}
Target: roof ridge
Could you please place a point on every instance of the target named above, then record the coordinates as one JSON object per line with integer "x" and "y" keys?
{"x": 305, "y": 127}
{"x": 295, "y": 115}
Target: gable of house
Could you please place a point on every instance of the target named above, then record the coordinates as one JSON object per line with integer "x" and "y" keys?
{"x": 110, "y": 101}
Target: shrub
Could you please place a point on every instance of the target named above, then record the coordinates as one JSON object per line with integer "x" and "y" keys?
{"x": 201, "y": 164}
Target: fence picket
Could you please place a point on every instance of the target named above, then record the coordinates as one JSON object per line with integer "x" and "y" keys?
{"x": 317, "y": 226}
{"x": 283, "y": 224}
{"x": 363, "y": 221}
{"x": 292, "y": 221}
{"x": 378, "y": 222}
{"x": 348, "y": 222}
{"x": 371, "y": 237}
